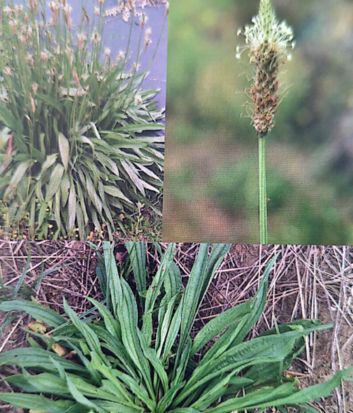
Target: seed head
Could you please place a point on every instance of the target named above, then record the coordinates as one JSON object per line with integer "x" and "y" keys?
{"x": 76, "y": 78}
{"x": 7, "y": 71}
{"x": 68, "y": 15}
{"x": 143, "y": 18}
{"x": 147, "y": 37}
{"x": 126, "y": 15}
{"x": 267, "y": 41}
{"x": 69, "y": 54}
{"x": 121, "y": 55}
{"x": 33, "y": 4}
{"x": 52, "y": 73}
{"x": 82, "y": 38}
{"x": 96, "y": 38}
{"x": 29, "y": 59}
{"x": 112, "y": 12}
{"x": 138, "y": 100}
{"x": 167, "y": 6}
{"x": 13, "y": 26}
{"x": 22, "y": 38}
{"x": 55, "y": 10}
{"x": 107, "y": 55}
{"x": 8, "y": 11}
{"x": 29, "y": 32}
{"x": 54, "y": 6}
{"x": 44, "y": 56}
{"x": 19, "y": 9}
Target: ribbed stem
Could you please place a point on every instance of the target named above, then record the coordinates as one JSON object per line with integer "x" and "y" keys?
{"x": 262, "y": 191}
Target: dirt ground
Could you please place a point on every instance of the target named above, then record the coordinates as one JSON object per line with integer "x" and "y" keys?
{"x": 308, "y": 282}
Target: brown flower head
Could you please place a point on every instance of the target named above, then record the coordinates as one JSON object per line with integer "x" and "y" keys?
{"x": 268, "y": 42}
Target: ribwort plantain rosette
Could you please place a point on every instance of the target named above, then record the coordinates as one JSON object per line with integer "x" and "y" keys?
{"x": 135, "y": 351}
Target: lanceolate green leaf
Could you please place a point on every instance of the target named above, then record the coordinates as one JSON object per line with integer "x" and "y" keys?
{"x": 131, "y": 334}
{"x": 80, "y": 398}
{"x": 257, "y": 351}
{"x": 200, "y": 277}
{"x": 49, "y": 383}
{"x": 35, "y": 310}
{"x": 219, "y": 324}
{"x": 72, "y": 206}
{"x": 213, "y": 393}
{"x": 19, "y": 173}
{"x": 40, "y": 403}
{"x": 253, "y": 398}
{"x": 154, "y": 291}
{"x": 113, "y": 292}
{"x": 40, "y": 383}
{"x": 137, "y": 254}
{"x": 236, "y": 334}
{"x": 285, "y": 395}
{"x": 54, "y": 181}
{"x": 112, "y": 325}
{"x": 35, "y": 357}
{"x": 64, "y": 148}
{"x": 314, "y": 392}
{"x": 90, "y": 337}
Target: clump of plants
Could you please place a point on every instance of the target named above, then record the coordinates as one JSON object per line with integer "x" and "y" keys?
{"x": 81, "y": 142}
{"x": 267, "y": 42}
{"x": 135, "y": 351}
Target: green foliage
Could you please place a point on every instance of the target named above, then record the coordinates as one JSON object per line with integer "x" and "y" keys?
{"x": 314, "y": 221}
{"x": 308, "y": 222}
{"x": 243, "y": 179}
{"x": 138, "y": 355}
{"x": 81, "y": 144}
{"x": 200, "y": 100}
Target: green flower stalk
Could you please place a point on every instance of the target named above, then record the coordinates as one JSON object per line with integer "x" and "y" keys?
{"x": 268, "y": 42}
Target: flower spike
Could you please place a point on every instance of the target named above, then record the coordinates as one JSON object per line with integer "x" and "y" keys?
{"x": 268, "y": 42}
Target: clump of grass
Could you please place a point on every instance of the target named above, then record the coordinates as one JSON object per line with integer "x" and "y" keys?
{"x": 81, "y": 143}
{"x": 267, "y": 42}
{"x": 134, "y": 352}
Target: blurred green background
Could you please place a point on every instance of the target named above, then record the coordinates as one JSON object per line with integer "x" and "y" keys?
{"x": 211, "y": 161}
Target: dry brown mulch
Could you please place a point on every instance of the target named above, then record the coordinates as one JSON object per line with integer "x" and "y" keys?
{"x": 308, "y": 282}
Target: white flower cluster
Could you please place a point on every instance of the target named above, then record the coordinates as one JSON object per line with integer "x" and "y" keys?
{"x": 129, "y": 8}
{"x": 133, "y": 8}
{"x": 267, "y": 30}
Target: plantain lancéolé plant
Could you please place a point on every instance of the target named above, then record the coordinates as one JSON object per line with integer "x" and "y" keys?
{"x": 81, "y": 143}
{"x": 267, "y": 42}
{"x": 135, "y": 353}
